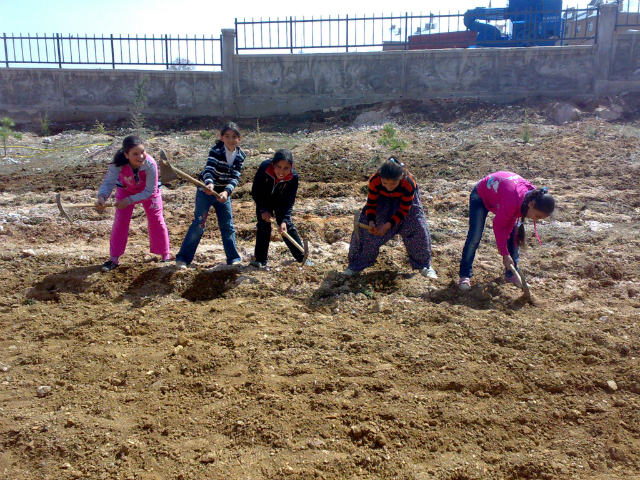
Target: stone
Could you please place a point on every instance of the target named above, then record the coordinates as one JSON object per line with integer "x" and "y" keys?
{"x": 562, "y": 112}
{"x": 209, "y": 457}
{"x": 29, "y": 253}
{"x": 614, "y": 112}
{"x": 371, "y": 118}
{"x": 4, "y": 368}
{"x": 376, "y": 307}
{"x": 316, "y": 444}
{"x": 47, "y": 140}
{"x": 43, "y": 391}
{"x": 612, "y": 385}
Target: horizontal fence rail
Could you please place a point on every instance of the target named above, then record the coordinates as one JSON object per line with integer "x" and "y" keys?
{"x": 172, "y": 53}
{"x": 628, "y": 14}
{"x": 494, "y": 27}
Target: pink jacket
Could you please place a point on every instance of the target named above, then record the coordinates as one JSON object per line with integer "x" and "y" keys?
{"x": 503, "y": 193}
{"x": 139, "y": 187}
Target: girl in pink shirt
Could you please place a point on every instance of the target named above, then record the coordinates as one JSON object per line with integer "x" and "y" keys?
{"x": 511, "y": 198}
{"x": 134, "y": 175}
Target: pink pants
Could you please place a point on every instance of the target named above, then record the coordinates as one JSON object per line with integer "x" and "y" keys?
{"x": 158, "y": 234}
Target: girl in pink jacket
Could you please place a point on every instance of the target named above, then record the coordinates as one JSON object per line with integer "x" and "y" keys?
{"x": 134, "y": 174}
{"x": 511, "y": 198}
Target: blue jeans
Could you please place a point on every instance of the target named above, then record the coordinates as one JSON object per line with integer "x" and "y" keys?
{"x": 225, "y": 221}
{"x": 477, "y": 218}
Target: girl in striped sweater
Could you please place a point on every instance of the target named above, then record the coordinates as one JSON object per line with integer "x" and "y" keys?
{"x": 393, "y": 207}
{"x": 220, "y": 175}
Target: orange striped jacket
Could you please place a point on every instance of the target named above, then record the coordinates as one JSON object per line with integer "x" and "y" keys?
{"x": 405, "y": 191}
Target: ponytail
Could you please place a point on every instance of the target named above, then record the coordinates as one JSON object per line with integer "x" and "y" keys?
{"x": 542, "y": 202}
{"x": 127, "y": 144}
{"x": 393, "y": 169}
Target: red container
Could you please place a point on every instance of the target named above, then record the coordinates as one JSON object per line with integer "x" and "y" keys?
{"x": 442, "y": 40}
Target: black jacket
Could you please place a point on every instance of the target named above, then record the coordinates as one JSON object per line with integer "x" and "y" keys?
{"x": 271, "y": 196}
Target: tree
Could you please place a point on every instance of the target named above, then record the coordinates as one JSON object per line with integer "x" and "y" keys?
{"x": 6, "y": 131}
{"x": 182, "y": 64}
{"x": 138, "y": 104}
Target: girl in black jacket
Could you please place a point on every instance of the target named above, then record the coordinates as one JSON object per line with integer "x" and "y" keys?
{"x": 274, "y": 190}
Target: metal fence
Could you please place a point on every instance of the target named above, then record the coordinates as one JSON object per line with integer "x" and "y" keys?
{"x": 628, "y": 14}
{"x": 398, "y": 32}
{"x": 165, "y": 51}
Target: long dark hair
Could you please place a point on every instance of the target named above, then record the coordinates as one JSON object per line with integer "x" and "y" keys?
{"x": 282, "y": 154}
{"x": 228, "y": 126}
{"x": 393, "y": 169}
{"x": 127, "y": 144}
{"x": 542, "y": 202}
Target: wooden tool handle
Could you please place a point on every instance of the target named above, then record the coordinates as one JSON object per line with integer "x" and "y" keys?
{"x": 290, "y": 238}
{"x": 187, "y": 177}
{"x": 86, "y": 205}
{"x": 515, "y": 273}
{"x": 366, "y": 227}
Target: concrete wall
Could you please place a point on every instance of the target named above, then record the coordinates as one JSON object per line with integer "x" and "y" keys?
{"x": 84, "y": 95}
{"x": 257, "y": 85}
{"x": 296, "y": 83}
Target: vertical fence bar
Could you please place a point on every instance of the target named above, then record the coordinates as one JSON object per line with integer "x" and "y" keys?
{"x": 113, "y": 54}
{"x": 166, "y": 49}
{"x": 6, "y": 51}
{"x": 59, "y": 51}
{"x": 291, "y": 33}
{"x": 347, "y": 33}
{"x": 406, "y": 26}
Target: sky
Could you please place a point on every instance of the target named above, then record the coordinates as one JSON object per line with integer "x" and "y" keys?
{"x": 195, "y": 16}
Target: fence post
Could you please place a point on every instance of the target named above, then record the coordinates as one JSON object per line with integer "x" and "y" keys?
{"x": 113, "y": 54}
{"x": 6, "y": 50}
{"x": 603, "y": 57}
{"x": 59, "y": 50}
{"x": 347, "y": 33}
{"x": 228, "y": 97}
{"x": 291, "y": 33}
{"x": 166, "y": 49}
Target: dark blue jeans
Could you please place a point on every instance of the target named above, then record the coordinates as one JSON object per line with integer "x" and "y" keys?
{"x": 263, "y": 238}
{"x": 477, "y": 218}
{"x": 225, "y": 221}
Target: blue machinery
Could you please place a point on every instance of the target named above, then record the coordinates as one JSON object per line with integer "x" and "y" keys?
{"x": 535, "y": 22}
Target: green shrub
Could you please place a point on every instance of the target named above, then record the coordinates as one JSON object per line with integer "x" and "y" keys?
{"x": 391, "y": 139}
{"x": 6, "y": 131}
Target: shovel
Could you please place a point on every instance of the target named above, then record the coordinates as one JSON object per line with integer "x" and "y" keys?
{"x": 75, "y": 205}
{"x": 168, "y": 173}
{"x": 525, "y": 287}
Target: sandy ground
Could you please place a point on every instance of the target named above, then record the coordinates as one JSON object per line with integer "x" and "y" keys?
{"x": 291, "y": 373}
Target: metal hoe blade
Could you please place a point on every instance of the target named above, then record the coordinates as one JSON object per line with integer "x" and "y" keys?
{"x": 62, "y": 212}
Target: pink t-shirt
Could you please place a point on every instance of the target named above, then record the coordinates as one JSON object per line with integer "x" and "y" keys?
{"x": 503, "y": 193}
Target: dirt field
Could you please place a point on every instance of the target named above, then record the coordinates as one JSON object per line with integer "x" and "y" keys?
{"x": 292, "y": 373}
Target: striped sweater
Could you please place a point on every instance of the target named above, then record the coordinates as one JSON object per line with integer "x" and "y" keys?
{"x": 405, "y": 191}
{"x": 218, "y": 172}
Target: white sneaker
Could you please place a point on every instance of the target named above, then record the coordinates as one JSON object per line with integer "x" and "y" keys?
{"x": 429, "y": 272}
{"x": 348, "y": 272}
{"x": 181, "y": 265}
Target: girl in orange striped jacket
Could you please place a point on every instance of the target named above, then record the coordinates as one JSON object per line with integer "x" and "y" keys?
{"x": 393, "y": 208}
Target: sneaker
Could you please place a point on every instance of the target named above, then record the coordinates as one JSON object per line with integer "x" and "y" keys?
{"x": 257, "y": 264}
{"x": 464, "y": 283}
{"x": 513, "y": 279}
{"x": 109, "y": 265}
{"x": 236, "y": 261}
{"x": 348, "y": 272}
{"x": 429, "y": 273}
{"x": 180, "y": 265}
{"x": 307, "y": 263}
